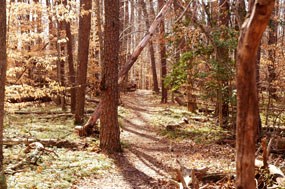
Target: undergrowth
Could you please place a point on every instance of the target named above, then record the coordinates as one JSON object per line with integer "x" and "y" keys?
{"x": 59, "y": 168}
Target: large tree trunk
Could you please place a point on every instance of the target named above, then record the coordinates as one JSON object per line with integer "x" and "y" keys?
{"x": 109, "y": 126}
{"x": 83, "y": 49}
{"x": 247, "y": 101}
{"x": 3, "y": 68}
{"x": 96, "y": 114}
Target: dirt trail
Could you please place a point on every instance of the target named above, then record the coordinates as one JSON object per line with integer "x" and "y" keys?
{"x": 148, "y": 159}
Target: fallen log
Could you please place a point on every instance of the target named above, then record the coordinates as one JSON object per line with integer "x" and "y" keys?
{"x": 30, "y": 99}
{"x": 45, "y": 142}
{"x": 86, "y": 130}
{"x": 47, "y": 113}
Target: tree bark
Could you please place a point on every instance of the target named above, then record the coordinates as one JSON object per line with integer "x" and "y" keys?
{"x": 247, "y": 101}
{"x": 3, "y": 68}
{"x": 83, "y": 52}
{"x": 96, "y": 114}
{"x": 109, "y": 126}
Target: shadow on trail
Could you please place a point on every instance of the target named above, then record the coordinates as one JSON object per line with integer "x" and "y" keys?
{"x": 150, "y": 161}
{"x": 139, "y": 134}
{"x": 136, "y": 178}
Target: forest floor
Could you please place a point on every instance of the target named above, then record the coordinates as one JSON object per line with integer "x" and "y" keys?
{"x": 151, "y": 147}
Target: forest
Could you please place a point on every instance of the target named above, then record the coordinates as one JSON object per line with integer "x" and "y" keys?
{"x": 142, "y": 94}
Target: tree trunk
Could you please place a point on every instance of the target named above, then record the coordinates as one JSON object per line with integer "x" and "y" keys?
{"x": 109, "y": 126}
{"x": 83, "y": 49}
{"x": 162, "y": 56}
{"x": 3, "y": 68}
{"x": 223, "y": 59}
{"x": 72, "y": 76}
{"x": 96, "y": 114}
{"x": 247, "y": 101}
{"x": 61, "y": 62}
{"x": 99, "y": 29}
{"x": 151, "y": 49}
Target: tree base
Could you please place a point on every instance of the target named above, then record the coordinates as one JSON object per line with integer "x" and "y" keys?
{"x": 3, "y": 183}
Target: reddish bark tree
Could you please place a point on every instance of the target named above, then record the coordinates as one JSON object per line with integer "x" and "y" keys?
{"x": 83, "y": 49}
{"x": 247, "y": 101}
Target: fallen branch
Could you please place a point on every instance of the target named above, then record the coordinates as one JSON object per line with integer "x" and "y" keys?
{"x": 48, "y": 113}
{"x": 86, "y": 130}
{"x": 273, "y": 170}
{"x": 45, "y": 142}
{"x": 37, "y": 149}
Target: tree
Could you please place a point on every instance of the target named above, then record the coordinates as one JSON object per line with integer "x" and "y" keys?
{"x": 150, "y": 49}
{"x": 109, "y": 126}
{"x": 3, "y": 68}
{"x": 271, "y": 67}
{"x": 83, "y": 49}
{"x": 162, "y": 56}
{"x": 247, "y": 101}
{"x": 60, "y": 60}
{"x": 71, "y": 69}
{"x": 223, "y": 61}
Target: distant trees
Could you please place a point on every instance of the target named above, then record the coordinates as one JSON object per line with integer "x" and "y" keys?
{"x": 3, "y": 67}
{"x": 150, "y": 47}
{"x": 109, "y": 126}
